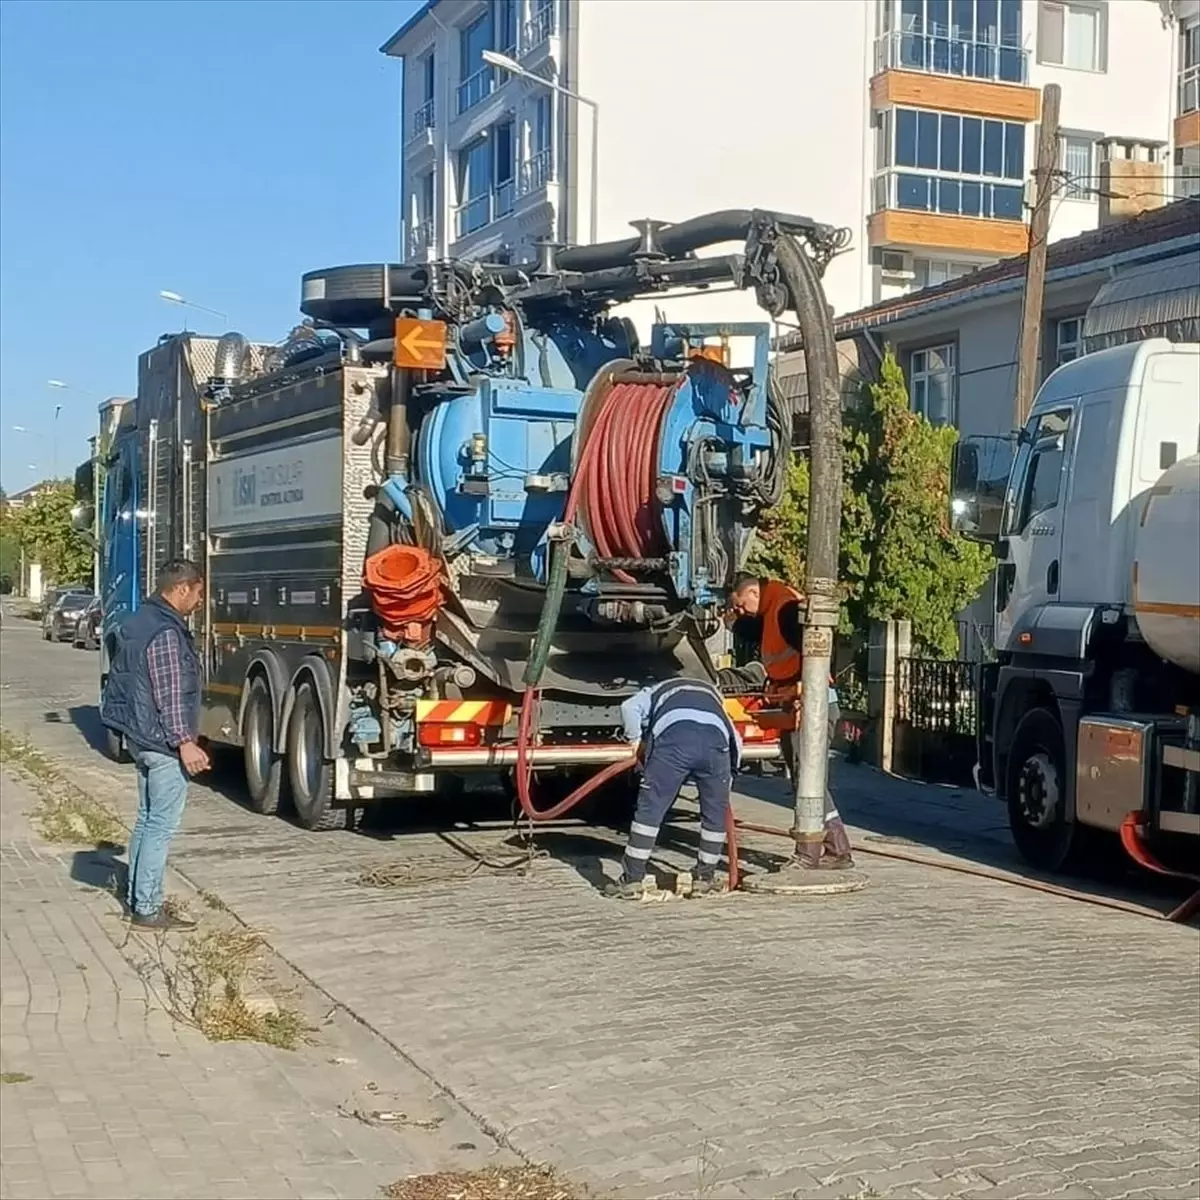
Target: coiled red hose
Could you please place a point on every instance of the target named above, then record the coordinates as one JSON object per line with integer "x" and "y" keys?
{"x": 616, "y": 483}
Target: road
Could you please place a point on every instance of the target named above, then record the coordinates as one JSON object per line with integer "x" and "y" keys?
{"x": 934, "y": 1035}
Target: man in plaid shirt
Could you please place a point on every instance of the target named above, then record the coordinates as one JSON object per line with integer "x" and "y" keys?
{"x": 152, "y": 698}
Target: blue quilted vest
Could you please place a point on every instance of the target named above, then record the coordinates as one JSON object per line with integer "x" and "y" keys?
{"x": 128, "y": 705}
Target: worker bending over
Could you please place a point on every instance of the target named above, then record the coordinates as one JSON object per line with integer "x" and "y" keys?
{"x": 779, "y": 607}
{"x": 681, "y": 732}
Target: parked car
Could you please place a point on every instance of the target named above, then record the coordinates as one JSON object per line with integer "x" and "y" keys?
{"x": 87, "y": 628}
{"x": 51, "y": 595}
{"x": 58, "y": 625}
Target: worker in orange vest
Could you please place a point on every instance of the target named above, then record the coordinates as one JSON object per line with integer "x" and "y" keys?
{"x": 779, "y": 607}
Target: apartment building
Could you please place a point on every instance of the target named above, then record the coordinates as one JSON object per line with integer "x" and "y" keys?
{"x": 912, "y": 122}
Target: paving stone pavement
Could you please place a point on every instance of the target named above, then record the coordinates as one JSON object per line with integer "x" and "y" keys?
{"x": 105, "y": 1096}
{"x": 935, "y": 1035}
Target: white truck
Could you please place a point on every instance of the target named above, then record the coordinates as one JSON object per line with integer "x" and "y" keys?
{"x": 1092, "y": 709}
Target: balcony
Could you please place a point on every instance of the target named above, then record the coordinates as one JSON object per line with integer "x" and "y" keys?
{"x": 538, "y": 30}
{"x": 481, "y": 211}
{"x": 422, "y": 119}
{"x": 537, "y": 172}
{"x": 937, "y": 53}
{"x": 421, "y": 237}
{"x": 475, "y": 89}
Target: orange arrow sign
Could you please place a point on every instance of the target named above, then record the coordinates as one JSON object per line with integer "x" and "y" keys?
{"x": 420, "y": 345}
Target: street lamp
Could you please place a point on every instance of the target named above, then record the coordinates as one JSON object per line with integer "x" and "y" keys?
{"x": 67, "y": 387}
{"x": 53, "y": 440}
{"x": 502, "y": 61}
{"x": 176, "y": 298}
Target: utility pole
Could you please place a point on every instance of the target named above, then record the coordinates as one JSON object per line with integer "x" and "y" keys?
{"x": 1033, "y": 303}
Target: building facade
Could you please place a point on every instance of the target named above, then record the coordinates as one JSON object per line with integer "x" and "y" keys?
{"x": 912, "y": 122}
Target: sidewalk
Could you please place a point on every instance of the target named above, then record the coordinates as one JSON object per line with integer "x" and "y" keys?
{"x": 105, "y": 1096}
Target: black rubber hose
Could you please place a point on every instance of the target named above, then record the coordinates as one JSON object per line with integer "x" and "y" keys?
{"x": 732, "y": 225}
{"x": 383, "y": 516}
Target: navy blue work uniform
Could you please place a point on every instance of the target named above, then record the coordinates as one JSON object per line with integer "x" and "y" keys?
{"x": 686, "y": 735}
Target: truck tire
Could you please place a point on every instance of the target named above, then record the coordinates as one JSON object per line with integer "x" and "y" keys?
{"x": 310, "y": 771}
{"x": 264, "y": 768}
{"x": 1037, "y": 792}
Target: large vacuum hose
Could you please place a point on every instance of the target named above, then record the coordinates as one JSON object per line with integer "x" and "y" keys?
{"x": 800, "y": 277}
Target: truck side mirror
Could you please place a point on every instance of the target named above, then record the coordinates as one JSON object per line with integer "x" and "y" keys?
{"x": 83, "y": 518}
{"x": 979, "y": 474}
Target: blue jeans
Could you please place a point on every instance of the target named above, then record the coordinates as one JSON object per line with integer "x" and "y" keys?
{"x": 162, "y": 791}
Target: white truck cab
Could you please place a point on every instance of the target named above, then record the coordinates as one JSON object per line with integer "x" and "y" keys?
{"x": 1094, "y": 513}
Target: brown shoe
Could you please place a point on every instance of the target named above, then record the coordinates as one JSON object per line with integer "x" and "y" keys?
{"x": 836, "y": 862}
{"x": 837, "y": 840}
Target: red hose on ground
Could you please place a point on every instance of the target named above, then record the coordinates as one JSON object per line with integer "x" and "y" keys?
{"x": 1186, "y": 909}
{"x": 1136, "y": 848}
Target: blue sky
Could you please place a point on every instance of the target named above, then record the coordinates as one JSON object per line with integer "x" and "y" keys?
{"x": 212, "y": 148}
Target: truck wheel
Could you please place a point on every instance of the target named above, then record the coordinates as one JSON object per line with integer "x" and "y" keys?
{"x": 309, "y": 770}
{"x": 264, "y": 768}
{"x": 1037, "y": 792}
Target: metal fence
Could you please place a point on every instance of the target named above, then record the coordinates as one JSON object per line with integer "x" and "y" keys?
{"x": 934, "y": 736}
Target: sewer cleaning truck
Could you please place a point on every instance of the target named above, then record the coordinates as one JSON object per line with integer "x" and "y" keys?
{"x": 462, "y": 511}
{"x": 1090, "y": 717}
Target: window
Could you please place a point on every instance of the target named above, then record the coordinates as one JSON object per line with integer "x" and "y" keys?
{"x": 537, "y": 171}
{"x": 930, "y": 272}
{"x": 1043, "y": 474}
{"x": 1187, "y": 171}
{"x": 1068, "y": 340}
{"x": 980, "y": 39}
{"x": 1189, "y": 67}
{"x": 962, "y": 155}
{"x": 1073, "y": 35}
{"x": 502, "y": 167}
{"x": 542, "y": 116}
{"x": 505, "y": 21}
{"x": 1077, "y": 161}
{"x": 474, "y": 187}
{"x": 476, "y": 77}
{"x": 931, "y": 383}
{"x": 472, "y": 42}
{"x": 423, "y": 117}
{"x": 425, "y": 196}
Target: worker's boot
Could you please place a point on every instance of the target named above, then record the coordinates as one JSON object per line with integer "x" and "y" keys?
{"x": 808, "y": 856}
{"x": 625, "y": 889}
{"x": 836, "y": 849}
{"x": 705, "y": 885}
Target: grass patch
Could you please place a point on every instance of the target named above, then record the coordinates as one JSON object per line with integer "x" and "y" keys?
{"x": 64, "y": 813}
{"x": 204, "y": 984}
{"x": 492, "y": 1183}
{"x": 15, "y": 1077}
{"x": 213, "y": 901}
